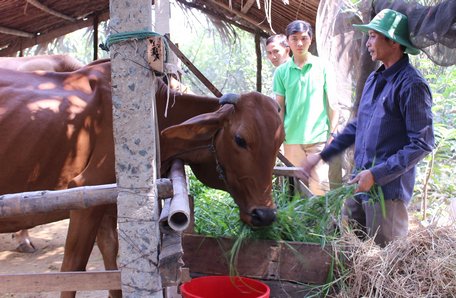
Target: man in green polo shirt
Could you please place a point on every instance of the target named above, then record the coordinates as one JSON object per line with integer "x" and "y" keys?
{"x": 303, "y": 88}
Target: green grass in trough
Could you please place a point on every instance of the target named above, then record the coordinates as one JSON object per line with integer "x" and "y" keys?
{"x": 312, "y": 220}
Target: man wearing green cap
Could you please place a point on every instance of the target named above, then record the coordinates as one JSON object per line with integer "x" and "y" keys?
{"x": 392, "y": 131}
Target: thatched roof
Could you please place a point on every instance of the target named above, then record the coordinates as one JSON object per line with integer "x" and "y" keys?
{"x": 24, "y": 23}
{"x": 264, "y": 16}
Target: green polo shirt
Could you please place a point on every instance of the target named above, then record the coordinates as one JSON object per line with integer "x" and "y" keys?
{"x": 306, "y": 118}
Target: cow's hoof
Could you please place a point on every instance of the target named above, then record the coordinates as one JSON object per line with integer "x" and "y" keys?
{"x": 26, "y": 247}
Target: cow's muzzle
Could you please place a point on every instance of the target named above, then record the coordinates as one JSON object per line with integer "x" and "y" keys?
{"x": 262, "y": 217}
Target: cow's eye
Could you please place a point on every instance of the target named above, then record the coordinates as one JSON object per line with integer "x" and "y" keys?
{"x": 240, "y": 141}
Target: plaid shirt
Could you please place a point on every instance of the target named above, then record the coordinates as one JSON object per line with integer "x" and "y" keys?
{"x": 393, "y": 129}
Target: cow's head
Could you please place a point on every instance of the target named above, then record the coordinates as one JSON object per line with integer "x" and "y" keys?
{"x": 235, "y": 149}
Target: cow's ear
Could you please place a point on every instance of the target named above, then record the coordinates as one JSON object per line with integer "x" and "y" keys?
{"x": 201, "y": 127}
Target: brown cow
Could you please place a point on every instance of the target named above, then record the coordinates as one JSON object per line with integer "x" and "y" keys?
{"x": 56, "y": 132}
{"x": 58, "y": 63}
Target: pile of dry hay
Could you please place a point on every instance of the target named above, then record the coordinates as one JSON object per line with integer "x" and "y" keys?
{"x": 423, "y": 265}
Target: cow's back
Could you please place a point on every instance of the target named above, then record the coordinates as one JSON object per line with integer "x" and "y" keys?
{"x": 49, "y": 123}
{"x": 58, "y": 63}
{"x": 56, "y": 128}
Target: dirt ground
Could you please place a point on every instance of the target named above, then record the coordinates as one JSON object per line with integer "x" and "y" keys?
{"x": 49, "y": 240}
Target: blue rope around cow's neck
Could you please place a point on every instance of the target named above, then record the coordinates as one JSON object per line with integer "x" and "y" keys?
{"x": 119, "y": 37}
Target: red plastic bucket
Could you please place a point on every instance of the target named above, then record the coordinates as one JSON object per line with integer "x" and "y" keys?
{"x": 224, "y": 287}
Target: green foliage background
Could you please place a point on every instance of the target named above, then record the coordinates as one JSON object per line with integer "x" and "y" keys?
{"x": 439, "y": 187}
{"x": 229, "y": 64}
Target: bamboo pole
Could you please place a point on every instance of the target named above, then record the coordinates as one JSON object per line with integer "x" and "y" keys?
{"x": 46, "y": 9}
{"x": 45, "y": 201}
{"x": 247, "y": 5}
{"x": 15, "y": 32}
{"x": 24, "y": 43}
{"x": 192, "y": 67}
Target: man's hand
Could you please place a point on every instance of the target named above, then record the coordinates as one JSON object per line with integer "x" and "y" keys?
{"x": 365, "y": 181}
{"x": 307, "y": 167}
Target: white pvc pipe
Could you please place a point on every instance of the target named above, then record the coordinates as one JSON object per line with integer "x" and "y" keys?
{"x": 179, "y": 209}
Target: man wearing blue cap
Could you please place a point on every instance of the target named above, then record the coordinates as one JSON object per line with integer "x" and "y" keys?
{"x": 392, "y": 131}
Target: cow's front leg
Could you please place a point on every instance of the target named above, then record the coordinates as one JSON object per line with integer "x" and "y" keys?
{"x": 82, "y": 231}
{"x": 108, "y": 243}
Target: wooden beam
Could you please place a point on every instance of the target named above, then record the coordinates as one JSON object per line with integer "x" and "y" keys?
{"x": 46, "y": 9}
{"x": 290, "y": 171}
{"x": 192, "y": 67}
{"x": 170, "y": 260}
{"x": 60, "y": 281}
{"x": 224, "y": 19}
{"x": 285, "y": 171}
{"x": 259, "y": 63}
{"x": 68, "y": 199}
{"x": 15, "y": 32}
{"x": 95, "y": 43}
{"x": 247, "y": 6}
{"x": 23, "y": 43}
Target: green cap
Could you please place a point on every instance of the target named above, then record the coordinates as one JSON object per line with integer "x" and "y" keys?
{"x": 393, "y": 25}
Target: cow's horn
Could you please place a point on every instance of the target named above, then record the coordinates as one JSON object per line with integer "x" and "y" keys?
{"x": 229, "y": 98}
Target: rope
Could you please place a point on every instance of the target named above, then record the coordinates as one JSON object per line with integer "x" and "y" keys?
{"x": 133, "y": 35}
{"x": 138, "y": 35}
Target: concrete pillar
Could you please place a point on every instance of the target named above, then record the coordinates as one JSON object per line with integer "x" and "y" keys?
{"x": 135, "y": 147}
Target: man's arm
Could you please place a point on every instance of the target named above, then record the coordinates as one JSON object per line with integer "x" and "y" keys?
{"x": 281, "y": 101}
{"x": 342, "y": 141}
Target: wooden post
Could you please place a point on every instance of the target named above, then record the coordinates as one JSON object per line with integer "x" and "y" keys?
{"x": 259, "y": 61}
{"x": 162, "y": 17}
{"x": 95, "y": 37}
{"x": 135, "y": 147}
